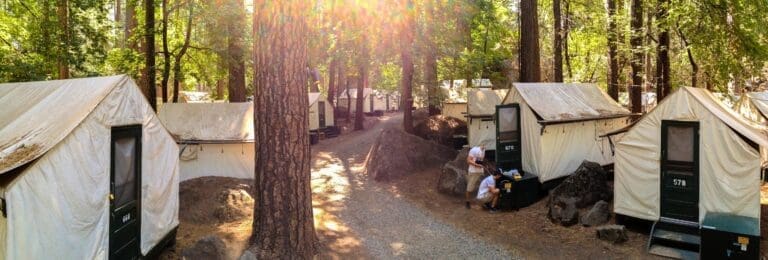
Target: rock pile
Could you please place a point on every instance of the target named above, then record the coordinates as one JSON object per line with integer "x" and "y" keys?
{"x": 396, "y": 153}
{"x": 586, "y": 186}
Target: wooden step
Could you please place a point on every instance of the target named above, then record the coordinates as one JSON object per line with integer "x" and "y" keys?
{"x": 673, "y": 252}
{"x": 677, "y": 236}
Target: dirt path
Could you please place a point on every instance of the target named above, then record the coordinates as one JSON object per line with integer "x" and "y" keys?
{"x": 358, "y": 218}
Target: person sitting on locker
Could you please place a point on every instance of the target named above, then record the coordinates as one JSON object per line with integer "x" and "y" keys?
{"x": 487, "y": 193}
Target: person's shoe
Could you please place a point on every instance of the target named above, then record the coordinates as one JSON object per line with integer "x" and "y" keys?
{"x": 467, "y": 205}
{"x": 493, "y": 210}
{"x": 487, "y": 206}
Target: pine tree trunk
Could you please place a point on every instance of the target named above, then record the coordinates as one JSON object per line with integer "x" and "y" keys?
{"x": 613, "y": 73}
{"x": 566, "y": 32}
{"x": 166, "y": 54}
{"x": 177, "y": 74}
{"x": 118, "y": 22}
{"x": 558, "y": 42}
{"x": 235, "y": 61}
{"x": 149, "y": 52}
{"x": 332, "y": 83}
{"x": 636, "y": 41}
{"x": 430, "y": 61}
{"x": 130, "y": 24}
{"x": 530, "y": 70}
{"x": 662, "y": 69}
{"x": 62, "y": 11}
{"x": 360, "y": 98}
{"x": 283, "y": 225}
{"x": 406, "y": 49}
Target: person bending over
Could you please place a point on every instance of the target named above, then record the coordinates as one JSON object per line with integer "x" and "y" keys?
{"x": 475, "y": 171}
{"x": 488, "y": 194}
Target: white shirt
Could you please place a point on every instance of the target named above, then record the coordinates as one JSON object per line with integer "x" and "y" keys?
{"x": 485, "y": 187}
{"x": 477, "y": 154}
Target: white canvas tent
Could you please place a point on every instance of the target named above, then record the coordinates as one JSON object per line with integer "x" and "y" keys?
{"x": 61, "y": 143}
{"x": 216, "y": 139}
{"x": 456, "y": 110}
{"x": 367, "y": 105}
{"x": 319, "y": 118}
{"x": 728, "y": 166}
{"x": 481, "y": 106}
{"x": 560, "y": 125}
{"x": 754, "y": 107}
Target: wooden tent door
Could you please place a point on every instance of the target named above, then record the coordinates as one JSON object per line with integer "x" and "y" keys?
{"x": 125, "y": 193}
{"x": 509, "y": 153}
{"x": 321, "y": 113}
{"x": 680, "y": 170}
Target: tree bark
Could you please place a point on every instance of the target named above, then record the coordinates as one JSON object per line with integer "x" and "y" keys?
{"x": 283, "y": 226}
{"x": 566, "y": 32}
{"x": 694, "y": 66}
{"x": 177, "y": 74}
{"x": 119, "y": 22}
{"x": 613, "y": 72}
{"x": 406, "y": 49}
{"x": 235, "y": 61}
{"x": 662, "y": 53}
{"x": 430, "y": 61}
{"x": 166, "y": 54}
{"x": 62, "y": 11}
{"x": 530, "y": 70}
{"x": 130, "y": 23}
{"x": 149, "y": 51}
{"x": 636, "y": 41}
{"x": 558, "y": 42}
{"x": 360, "y": 98}
{"x": 332, "y": 83}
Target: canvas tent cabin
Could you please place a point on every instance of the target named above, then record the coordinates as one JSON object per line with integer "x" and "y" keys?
{"x": 481, "y": 107}
{"x": 87, "y": 171}
{"x": 688, "y": 157}
{"x": 320, "y": 112}
{"x": 383, "y": 101}
{"x": 343, "y": 102}
{"x": 549, "y": 129}
{"x": 648, "y": 100}
{"x": 455, "y": 109}
{"x": 216, "y": 139}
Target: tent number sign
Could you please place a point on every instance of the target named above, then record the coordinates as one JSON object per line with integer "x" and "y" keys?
{"x": 679, "y": 182}
{"x": 126, "y": 218}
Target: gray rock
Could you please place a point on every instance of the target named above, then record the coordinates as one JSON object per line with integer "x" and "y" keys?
{"x": 453, "y": 178}
{"x": 248, "y": 255}
{"x": 598, "y": 215}
{"x": 612, "y": 233}
{"x": 589, "y": 184}
{"x": 208, "y": 247}
{"x": 569, "y": 216}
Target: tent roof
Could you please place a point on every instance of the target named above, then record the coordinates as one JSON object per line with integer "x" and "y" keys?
{"x": 209, "y": 122}
{"x": 313, "y": 97}
{"x": 569, "y": 101}
{"x": 353, "y": 93}
{"x": 749, "y": 130}
{"x": 483, "y": 101}
{"x": 760, "y": 100}
{"x": 38, "y": 115}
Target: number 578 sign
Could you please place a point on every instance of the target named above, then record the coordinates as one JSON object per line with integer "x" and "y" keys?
{"x": 679, "y": 182}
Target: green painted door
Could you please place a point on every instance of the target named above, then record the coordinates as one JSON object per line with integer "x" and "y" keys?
{"x": 321, "y": 113}
{"x": 509, "y": 153}
{"x": 680, "y": 170}
{"x": 125, "y": 193}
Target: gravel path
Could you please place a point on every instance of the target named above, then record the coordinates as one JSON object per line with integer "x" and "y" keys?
{"x": 356, "y": 217}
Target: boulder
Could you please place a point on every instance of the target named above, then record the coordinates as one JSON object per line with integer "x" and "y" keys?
{"x": 564, "y": 212}
{"x": 397, "y": 153}
{"x": 612, "y": 233}
{"x": 234, "y": 204}
{"x": 248, "y": 255}
{"x": 598, "y": 215}
{"x": 588, "y": 184}
{"x": 208, "y": 247}
{"x": 453, "y": 176}
{"x": 440, "y": 129}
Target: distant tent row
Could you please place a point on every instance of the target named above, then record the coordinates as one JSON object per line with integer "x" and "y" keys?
{"x": 373, "y": 100}
{"x": 87, "y": 171}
